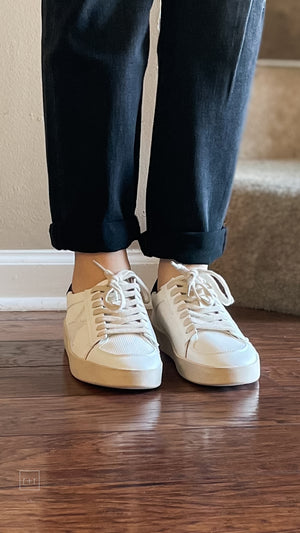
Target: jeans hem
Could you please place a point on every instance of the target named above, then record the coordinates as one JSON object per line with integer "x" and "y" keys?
{"x": 184, "y": 247}
{"x": 95, "y": 237}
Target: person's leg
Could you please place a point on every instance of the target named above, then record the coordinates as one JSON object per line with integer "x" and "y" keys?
{"x": 207, "y": 54}
{"x": 94, "y": 55}
{"x": 86, "y": 273}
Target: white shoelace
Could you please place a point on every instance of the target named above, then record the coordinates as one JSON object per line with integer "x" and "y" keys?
{"x": 201, "y": 300}
{"x": 118, "y": 306}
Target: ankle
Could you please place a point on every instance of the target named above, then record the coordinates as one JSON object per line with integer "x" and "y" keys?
{"x": 166, "y": 271}
{"x": 86, "y": 273}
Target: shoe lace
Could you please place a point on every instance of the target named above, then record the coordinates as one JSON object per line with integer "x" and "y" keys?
{"x": 118, "y": 306}
{"x": 201, "y": 300}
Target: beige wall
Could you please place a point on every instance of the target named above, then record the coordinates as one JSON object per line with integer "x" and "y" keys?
{"x": 23, "y": 196}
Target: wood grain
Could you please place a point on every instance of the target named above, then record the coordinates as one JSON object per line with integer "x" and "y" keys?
{"x": 181, "y": 458}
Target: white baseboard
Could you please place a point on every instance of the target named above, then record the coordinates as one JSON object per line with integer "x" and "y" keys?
{"x": 37, "y": 280}
{"x": 279, "y": 63}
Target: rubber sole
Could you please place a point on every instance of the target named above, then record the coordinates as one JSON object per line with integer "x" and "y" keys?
{"x": 205, "y": 375}
{"x": 91, "y": 372}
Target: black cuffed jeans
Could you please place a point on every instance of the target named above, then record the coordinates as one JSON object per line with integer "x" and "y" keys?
{"x": 94, "y": 56}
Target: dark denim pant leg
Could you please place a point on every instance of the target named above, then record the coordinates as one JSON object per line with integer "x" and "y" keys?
{"x": 94, "y": 55}
{"x": 207, "y": 54}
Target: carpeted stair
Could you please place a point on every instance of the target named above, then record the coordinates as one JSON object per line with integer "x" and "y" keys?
{"x": 261, "y": 262}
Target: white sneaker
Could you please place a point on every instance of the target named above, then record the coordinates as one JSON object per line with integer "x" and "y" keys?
{"x": 193, "y": 327}
{"x": 108, "y": 335}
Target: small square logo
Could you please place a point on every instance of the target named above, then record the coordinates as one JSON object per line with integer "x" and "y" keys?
{"x": 29, "y": 479}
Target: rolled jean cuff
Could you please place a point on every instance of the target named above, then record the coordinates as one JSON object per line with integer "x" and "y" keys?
{"x": 185, "y": 247}
{"x": 92, "y": 237}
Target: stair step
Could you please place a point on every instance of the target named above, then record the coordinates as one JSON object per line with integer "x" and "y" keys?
{"x": 281, "y": 30}
{"x": 272, "y": 128}
{"x": 262, "y": 256}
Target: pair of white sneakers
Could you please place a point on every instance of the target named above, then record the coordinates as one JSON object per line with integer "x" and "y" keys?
{"x": 111, "y": 341}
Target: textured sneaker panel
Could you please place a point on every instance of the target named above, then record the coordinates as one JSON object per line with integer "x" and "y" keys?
{"x": 123, "y": 361}
{"x": 127, "y": 344}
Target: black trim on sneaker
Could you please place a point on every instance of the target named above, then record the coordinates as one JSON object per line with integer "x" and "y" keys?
{"x": 154, "y": 288}
{"x": 69, "y": 289}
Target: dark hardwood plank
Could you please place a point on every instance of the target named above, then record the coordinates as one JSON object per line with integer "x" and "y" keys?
{"x": 180, "y": 507}
{"x": 200, "y": 453}
{"x": 32, "y": 353}
{"x": 181, "y": 458}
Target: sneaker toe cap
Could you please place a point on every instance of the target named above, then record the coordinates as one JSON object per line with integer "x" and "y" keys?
{"x": 221, "y": 350}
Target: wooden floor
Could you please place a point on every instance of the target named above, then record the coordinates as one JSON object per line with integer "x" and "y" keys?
{"x": 182, "y": 458}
